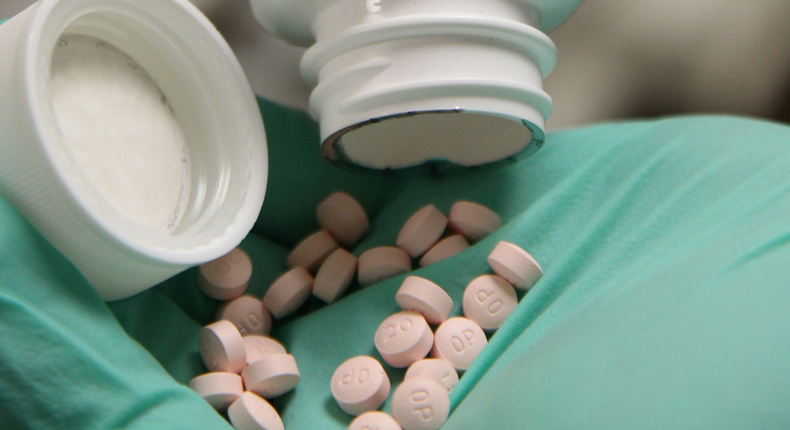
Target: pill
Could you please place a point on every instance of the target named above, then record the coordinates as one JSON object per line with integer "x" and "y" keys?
{"x": 260, "y": 346}
{"x": 271, "y": 376}
{"x": 219, "y": 389}
{"x": 248, "y": 314}
{"x": 445, "y": 249}
{"x": 473, "y": 220}
{"x": 222, "y": 347}
{"x": 421, "y": 231}
{"x": 437, "y": 369}
{"x": 403, "y": 338}
{"x": 335, "y": 275}
{"x": 423, "y": 296}
{"x": 250, "y": 412}
{"x": 420, "y": 404}
{"x": 459, "y": 340}
{"x": 382, "y": 263}
{"x": 312, "y": 251}
{"x": 489, "y": 300}
{"x": 360, "y": 385}
{"x": 375, "y": 420}
{"x": 516, "y": 265}
{"x": 289, "y": 292}
{"x": 343, "y": 217}
{"x": 226, "y": 277}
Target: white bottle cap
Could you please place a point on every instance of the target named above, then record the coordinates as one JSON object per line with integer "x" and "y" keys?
{"x": 215, "y": 108}
{"x": 401, "y": 84}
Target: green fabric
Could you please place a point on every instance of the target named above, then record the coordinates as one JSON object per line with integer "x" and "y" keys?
{"x": 663, "y": 304}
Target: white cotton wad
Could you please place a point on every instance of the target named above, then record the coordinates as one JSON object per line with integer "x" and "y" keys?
{"x": 121, "y": 131}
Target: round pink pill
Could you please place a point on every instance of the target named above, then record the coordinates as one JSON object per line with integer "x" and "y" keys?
{"x": 219, "y": 389}
{"x": 226, "y": 277}
{"x": 473, "y": 220}
{"x": 382, "y": 263}
{"x": 421, "y": 231}
{"x": 335, "y": 275}
{"x": 445, "y": 249}
{"x": 289, "y": 292}
{"x": 248, "y": 314}
{"x": 222, "y": 347}
{"x": 311, "y": 252}
{"x": 403, "y": 338}
{"x": 516, "y": 265}
{"x": 343, "y": 217}
{"x": 423, "y": 296}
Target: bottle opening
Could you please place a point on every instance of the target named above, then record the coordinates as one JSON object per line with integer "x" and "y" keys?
{"x": 456, "y": 137}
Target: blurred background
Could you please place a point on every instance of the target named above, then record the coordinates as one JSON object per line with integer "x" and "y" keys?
{"x": 618, "y": 58}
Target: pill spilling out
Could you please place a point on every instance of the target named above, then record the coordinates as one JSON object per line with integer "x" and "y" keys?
{"x": 421, "y": 231}
{"x": 382, "y": 263}
{"x": 437, "y": 369}
{"x": 516, "y": 265}
{"x": 444, "y": 249}
{"x": 420, "y": 403}
{"x": 335, "y": 275}
{"x": 248, "y": 314}
{"x": 404, "y": 338}
{"x": 343, "y": 217}
{"x": 226, "y": 277}
{"x": 222, "y": 348}
{"x": 311, "y": 252}
{"x": 359, "y": 385}
{"x": 423, "y": 296}
{"x": 260, "y": 346}
{"x": 240, "y": 356}
{"x": 288, "y": 292}
{"x": 375, "y": 420}
{"x": 489, "y": 300}
{"x": 219, "y": 389}
{"x": 473, "y": 220}
{"x": 251, "y": 412}
{"x": 459, "y": 340}
{"x": 272, "y": 375}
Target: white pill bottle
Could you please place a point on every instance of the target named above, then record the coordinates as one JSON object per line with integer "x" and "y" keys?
{"x": 129, "y": 137}
{"x": 425, "y": 84}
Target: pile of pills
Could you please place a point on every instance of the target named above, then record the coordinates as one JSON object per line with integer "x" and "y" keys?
{"x": 247, "y": 367}
{"x": 404, "y": 339}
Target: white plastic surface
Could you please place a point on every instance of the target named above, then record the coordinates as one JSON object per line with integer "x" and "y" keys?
{"x": 382, "y": 263}
{"x": 444, "y": 249}
{"x": 219, "y": 389}
{"x": 421, "y": 231}
{"x": 251, "y": 412}
{"x": 489, "y": 300}
{"x": 343, "y": 217}
{"x": 312, "y": 251}
{"x": 516, "y": 265}
{"x": 403, "y": 338}
{"x": 288, "y": 292}
{"x": 375, "y": 420}
{"x": 437, "y": 369}
{"x": 227, "y": 277}
{"x": 335, "y": 275}
{"x": 420, "y": 403}
{"x": 473, "y": 220}
{"x": 222, "y": 347}
{"x": 248, "y": 314}
{"x": 401, "y": 61}
{"x": 359, "y": 385}
{"x": 272, "y": 376}
{"x": 202, "y": 82}
{"x": 423, "y": 296}
{"x": 459, "y": 340}
{"x": 258, "y": 347}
